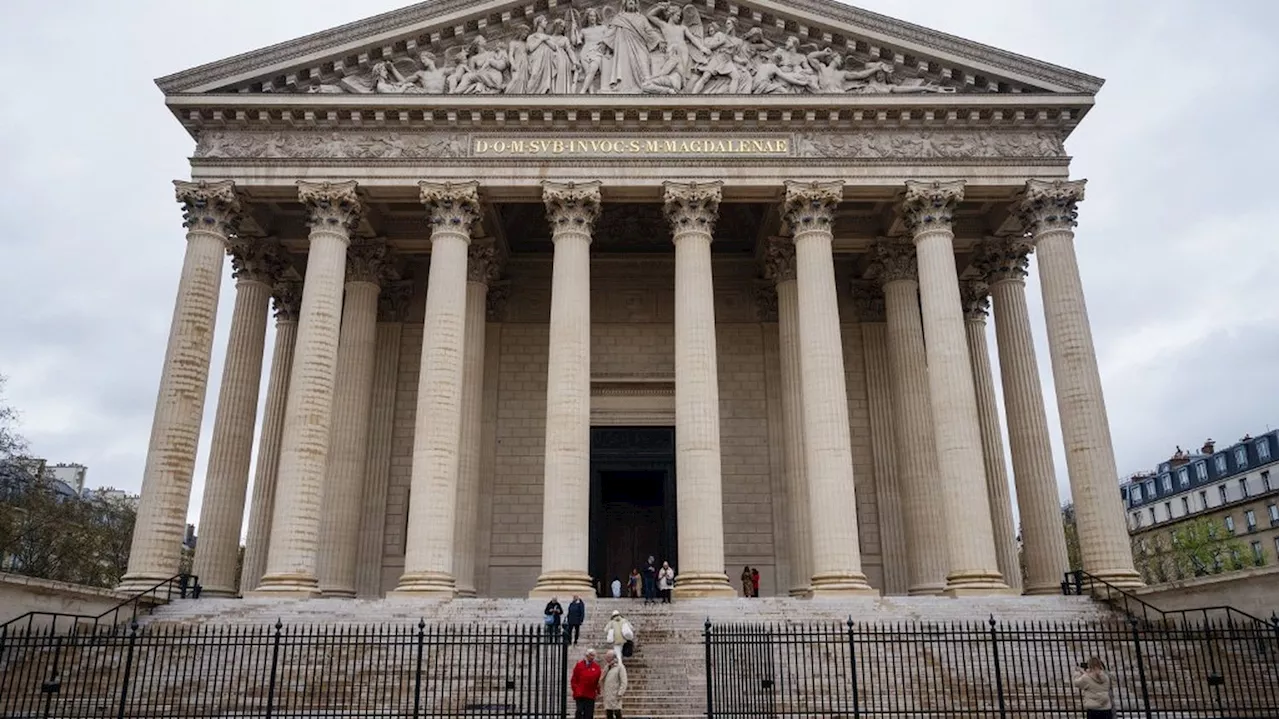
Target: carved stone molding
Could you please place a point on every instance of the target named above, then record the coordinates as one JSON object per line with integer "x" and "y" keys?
{"x": 257, "y": 260}
{"x": 483, "y": 262}
{"x": 1049, "y": 205}
{"x": 930, "y": 145}
{"x": 210, "y": 206}
{"x": 975, "y": 300}
{"x": 394, "y": 299}
{"x": 894, "y": 260}
{"x": 1003, "y": 259}
{"x": 286, "y": 295}
{"x": 868, "y": 299}
{"x": 929, "y": 206}
{"x": 571, "y": 206}
{"x": 692, "y": 206}
{"x": 367, "y": 261}
{"x": 314, "y": 145}
{"x": 780, "y": 259}
{"x": 809, "y": 206}
{"x": 451, "y": 205}
{"x": 766, "y": 297}
{"x": 334, "y": 206}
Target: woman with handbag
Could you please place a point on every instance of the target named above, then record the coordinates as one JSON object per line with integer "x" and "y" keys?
{"x": 1096, "y": 688}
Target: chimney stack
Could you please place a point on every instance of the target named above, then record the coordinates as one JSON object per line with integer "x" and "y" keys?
{"x": 1208, "y": 447}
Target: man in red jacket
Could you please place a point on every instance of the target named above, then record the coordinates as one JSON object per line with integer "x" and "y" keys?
{"x": 585, "y": 683}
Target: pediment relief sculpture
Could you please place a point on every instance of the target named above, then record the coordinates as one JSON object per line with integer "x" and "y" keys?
{"x": 665, "y": 49}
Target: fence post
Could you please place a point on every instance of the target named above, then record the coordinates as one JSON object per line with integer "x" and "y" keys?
{"x": 706, "y": 644}
{"x": 995, "y": 656}
{"x": 564, "y": 672}
{"x": 853, "y": 669}
{"x": 1142, "y": 670}
{"x": 417, "y": 672}
{"x": 128, "y": 667}
{"x": 275, "y": 662}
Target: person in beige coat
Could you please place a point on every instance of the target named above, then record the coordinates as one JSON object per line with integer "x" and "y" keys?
{"x": 613, "y": 685}
{"x": 1095, "y": 687}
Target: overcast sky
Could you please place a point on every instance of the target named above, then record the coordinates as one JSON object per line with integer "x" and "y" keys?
{"x": 1177, "y": 239}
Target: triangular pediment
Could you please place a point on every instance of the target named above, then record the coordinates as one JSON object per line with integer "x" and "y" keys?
{"x": 555, "y": 47}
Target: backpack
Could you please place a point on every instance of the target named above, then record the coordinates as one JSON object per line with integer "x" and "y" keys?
{"x": 628, "y": 649}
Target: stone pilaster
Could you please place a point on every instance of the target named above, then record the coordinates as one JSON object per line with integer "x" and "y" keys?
{"x": 211, "y": 212}
{"x": 1048, "y": 213}
{"x": 288, "y": 302}
{"x": 393, "y": 303}
{"x": 482, "y": 269}
{"x": 349, "y": 437}
{"x": 1003, "y": 263}
{"x": 257, "y": 267}
{"x": 875, "y": 352}
{"x": 692, "y": 209}
{"x": 809, "y": 211}
{"x": 334, "y": 209}
{"x": 923, "y": 512}
{"x": 437, "y": 429}
{"x": 973, "y": 297}
{"x": 566, "y": 503}
{"x": 973, "y": 568}
{"x": 780, "y": 267}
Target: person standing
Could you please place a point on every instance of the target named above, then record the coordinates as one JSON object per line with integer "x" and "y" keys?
{"x": 613, "y": 685}
{"x": 650, "y": 581}
{"x": 552, "y": 615}
{"x": 747, "y": 584}
{"x": 618, "y": 632}
{"x": 574, "y": 619}
{"x": 1095, "y": 687}
{"x": 585, "y": 685}
{"x": 633, "y": 584}
{"x": 666, "y": 580}
{"x": 615, "y": 588}
{"x": 755, "y": 582}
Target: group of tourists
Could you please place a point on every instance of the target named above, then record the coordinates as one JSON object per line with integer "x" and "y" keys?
{"x": 750, "y": 582}
{"x": 653, "y": 584}
{"x": 591, "y": 680}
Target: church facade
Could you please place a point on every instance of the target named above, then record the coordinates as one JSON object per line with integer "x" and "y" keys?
{"x": 559, "y": 286}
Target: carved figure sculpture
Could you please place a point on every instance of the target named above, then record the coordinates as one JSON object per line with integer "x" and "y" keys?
{"x": 551, "y": 58}
{"x": 631, "y": 38}
{"x": 881, "y": 83}
{"x": 590, "y": 39}
{"x": 518, "y": 53}
{"x": 482, "y": 72}
{"x": 833, "y": 72}
{"x": 727, "y": 61}
{"x": 681, "y": 37}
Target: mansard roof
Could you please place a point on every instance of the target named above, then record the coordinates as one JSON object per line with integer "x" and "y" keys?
{"x": 918, "y": 55}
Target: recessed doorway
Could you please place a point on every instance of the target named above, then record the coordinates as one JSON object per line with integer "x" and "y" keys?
{"x": 633, "y": 501}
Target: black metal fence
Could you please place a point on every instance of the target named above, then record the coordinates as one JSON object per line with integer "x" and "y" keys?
{"x": 1223, "y": 669}
{"x": 372, "y": 671}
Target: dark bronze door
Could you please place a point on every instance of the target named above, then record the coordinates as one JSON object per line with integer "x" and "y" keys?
{"x": 633, "y": 503}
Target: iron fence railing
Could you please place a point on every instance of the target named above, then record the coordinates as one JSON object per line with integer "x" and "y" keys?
{"x": 1080, "y": 582}
{"x": 285, "y": 671}
{"x": 163, "y": 592}
{"x": 1212, "y": 669}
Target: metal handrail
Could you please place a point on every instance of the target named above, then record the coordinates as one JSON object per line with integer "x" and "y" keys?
{"x": 1074, "y": 583}
{"x": 184, "y": 584}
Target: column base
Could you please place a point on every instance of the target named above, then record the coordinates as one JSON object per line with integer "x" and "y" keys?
{"x": 702, "y": 585}
{"x": 218, "y": 593}
{"x": 465, "y": 593}
{"x": 140, "y": 582}
{"x": 562, "y": 583}
{"x": 925, "y": 590}
{"x": 842, "y": 584}
{"x": 976, "y": 583}
{"x": 338, "y": 593}
{"x": 302, "y": 586}
{"x": 1042, "y": 589}
{"x": 1120, "y": 578}
{"x": 438, "y": 585}
{"x": 800, "y": 592}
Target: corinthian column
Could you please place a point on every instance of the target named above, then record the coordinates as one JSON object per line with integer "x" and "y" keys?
{"x": 349, "y": 437}
{"x": 295, "y": 527}
{"x": 1044, "y": 547}
{"x": 566, "y": 501}
{"x": 482, "y": 269}
{"x": 809, "y": 211}
{"x": 210, "y": 213}
{"x": 875, "y": 352}
{"x": 780, "y": 267}
{"x": 1048, "y": 212}
{"x": 926, "y": 210}
{"x": 257, "y": 266}
{"x": 692, "y": 209}
{"x": 288, "y": 301}
{"x": 437, "y": 428}
{"x": 973, "y": 297}
{"x": 923, "y": 513}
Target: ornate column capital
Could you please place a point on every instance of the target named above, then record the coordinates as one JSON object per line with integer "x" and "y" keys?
{"x": 808, "y": 206}
{"x": 779, "y": 259}
{"x": 367, "y": 261}
{"x": 571, "y": 206}
{"x": 868, "y": 298}
{"x": 333, "y": 206}
{"x": 287, "y": 297}
{"x": 393, "y": 300}
{"x": 1003, "y": 259}
{"x": 257, "y": 259}
{"x": 766, "y": 296}
{"x": 451, "y": 206}
{"x": 894, "y": 260}
{"x": 495, "y": 301}
{"x": 1045, "y": 205}
{"x": 975, "y": 300}
{"x": 484, "y": 264}
{"x": 209, "y": 206}
{"x": 692, "y": 206}
{"x": 928, "y": 206}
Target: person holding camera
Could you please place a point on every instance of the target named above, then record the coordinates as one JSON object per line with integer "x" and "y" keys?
{"x": 1095, "y": 687}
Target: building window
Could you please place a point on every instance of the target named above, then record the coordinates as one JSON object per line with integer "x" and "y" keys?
{"x": 1266, "y": 480}
{"x": 1230, "y": 523}
{"x": 1186, "y": 509}
{"x": 1242, "y": 456}
{"x": 1275, "y": 516}
{"x": 1258, "y": 558}
{"x": 1202, "y": 470}
{"x": 1264, "y": 449}
{"x": 1167, "y": 482}
{"x": 1204, "y": 499}
{"x": 1135, "y": 495}
{"x": 1244, "y": 486}
{"x": 1151, "y": 514}
{"x": 1182, "y": 477}
{"x": 1151, "y": 488}
{"x": 1137, "y": 519}
{"x": 1168, "y": 511}
{"x": 1220, "y": 463}
{"x": 1250, "y": 521}
{"x": 1222, "y": 494}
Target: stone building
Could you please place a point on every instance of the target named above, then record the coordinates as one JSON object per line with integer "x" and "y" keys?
{"x": 558, "y": 287}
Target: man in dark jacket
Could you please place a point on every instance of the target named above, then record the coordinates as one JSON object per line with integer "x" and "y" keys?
{"x": 552, "y": 615}
{"x": 650, "y": 581}
{"x": 574, "y": 619}
{"x": 585, "y": 684}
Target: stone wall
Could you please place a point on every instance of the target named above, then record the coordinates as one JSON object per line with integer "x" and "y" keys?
{"x": 1249, "y": 590}
{"x": 19, "y": 595}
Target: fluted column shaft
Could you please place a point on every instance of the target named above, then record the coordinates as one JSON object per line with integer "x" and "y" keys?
{"x": 1048, "y": 211}
{"x": 566, "y": 500}
{"x": 304, "y": 448}
{"x": 809, "y": 210}
{"x": 1044, "y": 546}
{"x": 210, "y": 213}
{"x": 349, "y": 437}
{"x": 288, "y": 297}
{"x": 973, "y": 567}
{"x": 692, "y": 209}
{"x": 992, "y": 442}
{"x": 227, "y": 476}
{"x": 481, "y": 269}
{"x": 437, "y": 429}
{"x": 801, "y": 544}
